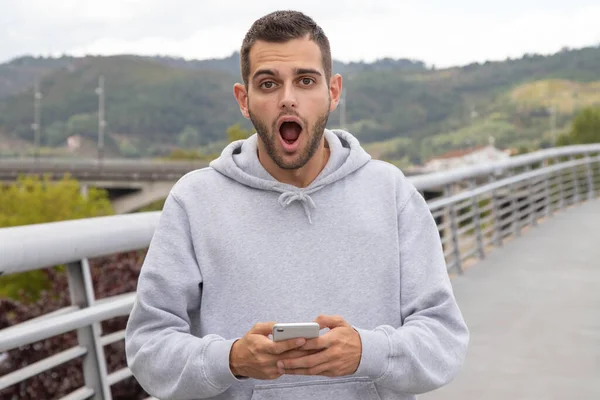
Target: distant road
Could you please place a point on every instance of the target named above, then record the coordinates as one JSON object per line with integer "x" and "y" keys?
{"x": 108, "y": 169}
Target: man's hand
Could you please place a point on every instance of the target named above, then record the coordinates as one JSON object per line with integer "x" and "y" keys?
{"x": 338, "y": 351}
{"x": 256, "y": 356}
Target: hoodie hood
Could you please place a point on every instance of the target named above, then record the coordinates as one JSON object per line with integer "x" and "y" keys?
{"x": 239, "y": 161}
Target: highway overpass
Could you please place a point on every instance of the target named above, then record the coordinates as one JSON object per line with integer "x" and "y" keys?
{"x": 131, "y": 184}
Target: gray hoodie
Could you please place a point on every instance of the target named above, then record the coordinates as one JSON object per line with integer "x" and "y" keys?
{"x": 235, "y": 247}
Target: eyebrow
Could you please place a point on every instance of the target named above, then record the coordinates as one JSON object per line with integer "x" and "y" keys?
{"x": 263, "y": 72}
{"x": 299, "y": 71}
{"x": 303, "y": 71}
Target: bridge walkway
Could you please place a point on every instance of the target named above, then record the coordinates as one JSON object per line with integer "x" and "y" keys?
{"x": 533, "y": 308}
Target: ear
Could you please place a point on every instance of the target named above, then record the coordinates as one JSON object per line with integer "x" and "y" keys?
{"x": 241, "y": 95}
{"x": 335, "y": 91}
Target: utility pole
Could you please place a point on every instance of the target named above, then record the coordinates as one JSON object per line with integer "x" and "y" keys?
{"x": 552, "y": 110}
{"x": 37, "y": 97}
{"x": 101, "y": 121}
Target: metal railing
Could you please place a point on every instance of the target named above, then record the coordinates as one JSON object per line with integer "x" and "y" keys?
{"x": 30, "y": 247}
{"x": 476, "y": 208}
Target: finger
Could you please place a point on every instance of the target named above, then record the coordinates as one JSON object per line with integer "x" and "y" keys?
{"x": 305, "y": 362}
{"x": 324, "y": 369}
{"x": 320, "y": 343}
{"x": 296, "y": 354}
{"x": 330, "y": 321}
{"x": 262, "y": 328}
{"x": 286, "y": 345}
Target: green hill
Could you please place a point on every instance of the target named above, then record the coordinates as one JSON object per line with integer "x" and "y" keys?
{"x": 19, "y": 74}
{"x": 399, "y": 109}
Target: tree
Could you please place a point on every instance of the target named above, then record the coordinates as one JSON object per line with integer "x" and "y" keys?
{"x": 192, "y": 155}
{"x": 128, "y": 149}
{"x": 564, "y": 140}
{"x": 236, "y": 132}
{"x": 56, "y": 134}
{"x": 34, "y": 199}
{"x": 85, "y": 124}
{"x": 585, "y": 128}
{"x": 189, "y": 137}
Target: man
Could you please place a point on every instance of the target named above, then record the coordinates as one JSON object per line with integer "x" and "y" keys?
{"x": 294, "y": 224}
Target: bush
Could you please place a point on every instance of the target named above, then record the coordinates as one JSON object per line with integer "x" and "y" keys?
{"x": 585, "y": 128}
{"x": 34, "y": 199}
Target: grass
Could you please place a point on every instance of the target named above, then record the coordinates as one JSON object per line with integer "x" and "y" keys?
{"x": 567, "y": 96}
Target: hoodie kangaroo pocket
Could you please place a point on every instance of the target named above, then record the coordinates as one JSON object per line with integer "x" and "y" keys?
{"x": 347, "y": 389}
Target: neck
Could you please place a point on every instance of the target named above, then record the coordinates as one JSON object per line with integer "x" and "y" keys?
{"x": 301, "y": 177}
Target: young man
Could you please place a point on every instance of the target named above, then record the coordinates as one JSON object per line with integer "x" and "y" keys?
{"x": 294, "y": 224}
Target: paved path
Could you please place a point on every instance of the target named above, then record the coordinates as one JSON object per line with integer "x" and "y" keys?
{"x": 533, "y": 308}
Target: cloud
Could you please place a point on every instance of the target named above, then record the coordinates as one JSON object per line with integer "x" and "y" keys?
{"x": 458, "y": 38}
{"x": 436, "y": 31}
{"x": 218, "y": 28}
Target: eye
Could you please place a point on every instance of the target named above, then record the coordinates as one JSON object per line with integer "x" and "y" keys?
{"x": 307, "y": 81}
{"x": 267, "y": 85}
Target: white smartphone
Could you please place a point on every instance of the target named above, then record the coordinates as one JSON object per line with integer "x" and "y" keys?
{"x": 284, "y": 331}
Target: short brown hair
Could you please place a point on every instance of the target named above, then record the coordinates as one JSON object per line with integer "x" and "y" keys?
{"x": 279, "y": 27}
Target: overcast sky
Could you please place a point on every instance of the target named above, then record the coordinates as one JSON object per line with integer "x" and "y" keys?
{"x": 439, "y": 32}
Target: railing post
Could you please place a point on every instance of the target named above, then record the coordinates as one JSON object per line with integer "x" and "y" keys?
{"x": 590, "y": 179}
{"x": 596, "y": 171}
{"x": 576, "y": 197}
{"x": 454, "y": 231}
{"x": 547, "y": 195}
{"x": 546, "y": 163}
{"x": 83, "y": 190}
{"x": 81, "y": 290}
{"x": 516, "y": 214}
{"x": 477, "y": 221}
{"x": 496, "y": 209}
{"x": 530, "y": 199}
{"x": 561, "y": 188}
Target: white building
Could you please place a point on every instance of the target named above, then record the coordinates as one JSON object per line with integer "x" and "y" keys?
{"x": 464, "y": 157}
{"x": 73, "y": 142}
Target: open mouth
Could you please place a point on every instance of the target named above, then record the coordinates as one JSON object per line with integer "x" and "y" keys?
{"x": 290, "y": 131}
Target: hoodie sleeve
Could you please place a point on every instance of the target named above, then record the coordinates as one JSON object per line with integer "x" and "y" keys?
{"x": 428, "y": 350}
{"x": 166, "y": 359}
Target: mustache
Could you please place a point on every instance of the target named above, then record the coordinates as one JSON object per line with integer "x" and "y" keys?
{"x": 289, "y": 114}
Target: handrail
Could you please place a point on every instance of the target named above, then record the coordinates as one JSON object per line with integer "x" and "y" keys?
{"x": 41, "y": 366}
{"x": 469, "y": 193}
{"x": 29, "y": 247}
{"x": 16, "y": 336}
{"x": 428, "y": 181}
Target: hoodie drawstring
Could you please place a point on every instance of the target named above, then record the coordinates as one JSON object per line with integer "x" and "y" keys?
{"x": 288, "y": 197}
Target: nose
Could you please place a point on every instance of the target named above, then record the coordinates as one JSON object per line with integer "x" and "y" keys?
{"x": 288, "y": 97}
